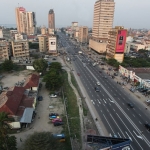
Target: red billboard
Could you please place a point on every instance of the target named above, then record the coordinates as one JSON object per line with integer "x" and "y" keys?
{"x": 22, "y": 9}
{"x": 121, "y": 41}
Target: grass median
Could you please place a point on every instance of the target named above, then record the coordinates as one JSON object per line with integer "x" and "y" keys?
{"x": 72, "y": 109}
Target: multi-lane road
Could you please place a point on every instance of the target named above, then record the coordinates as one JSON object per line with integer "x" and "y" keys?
{"x": 111, "y": 101}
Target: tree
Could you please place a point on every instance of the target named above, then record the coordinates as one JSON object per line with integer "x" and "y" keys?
{"x": 53, "y": 79}
{"x": 6, "y": 142}
{"x": 33, "y": 45}
{"x": 56, "y": 65}
{"x": 40, "y": 65}
{"x": 7, "y": 65}
{"x": 42, "y": 140}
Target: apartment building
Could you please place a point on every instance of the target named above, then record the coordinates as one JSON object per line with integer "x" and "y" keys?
{"x": 26, "y": 22}
{"x": 83, "y": 34}
{"x": 51, "y": 21}
{"x": 52, "y": 45}
{"x": 20, "y": 48}
{"x": 102, "y": 24}
{"x": 74, "y": 26}
{"x": 116, "y": 43}
{"x": 1, "y": 33}
{"x": 43, "y": 44}
{"x": 5, "y": 50}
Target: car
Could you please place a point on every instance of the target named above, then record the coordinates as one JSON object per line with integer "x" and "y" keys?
{"x": 100, "y": 71}
{"x": 96, "y": 89}
{"x": 40, "y": 98}
{"x": 147, "y": 126}
{"x": 98, "y": 83}
{"x": 53, "y": 96}
{"x": 58, "y": 123}
{"x": 54, "y": 58}
{"x": 53, "y": 117}
{"x": 130, "y": 105}
{"x": 148, "y": 101}
{"x": 105, "y": 77}
{"x": 56, "y": 120}
{"x": 53, "y": 114}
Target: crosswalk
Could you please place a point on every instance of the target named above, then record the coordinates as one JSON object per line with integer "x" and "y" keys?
{"x": 102, "y": 101}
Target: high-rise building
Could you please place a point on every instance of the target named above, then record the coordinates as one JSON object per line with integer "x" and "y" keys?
{"x": 103, "y": 18}
{"x": 116, "y": 43}
{"x": 102, "y": 24}
{"x": 26, "y": 22}
{"x": 51, "y": 20}
{"x": 83, "y": 34}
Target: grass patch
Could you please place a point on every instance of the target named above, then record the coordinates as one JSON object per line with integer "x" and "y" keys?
{"x": 72, "y": 109}
{"x": 73, "y": 80}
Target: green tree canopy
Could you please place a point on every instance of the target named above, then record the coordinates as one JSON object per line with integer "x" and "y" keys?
{"x": 40, "y": 65}
{"x": 7, "y": 65}
{"x": 56, "y": 65}
{"x": 42, "y": 140}
{"x": 53, "y": 79}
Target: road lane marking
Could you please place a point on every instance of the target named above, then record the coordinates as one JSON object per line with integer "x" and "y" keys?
{"x": 137, "y": 135}
{"x": 109, "y": 124}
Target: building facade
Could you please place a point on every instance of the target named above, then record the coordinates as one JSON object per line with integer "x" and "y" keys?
{"x": 1, "y": 33}
{"x": 26, "y": 22}
{"x": 103, "y": 18}
{"x": 116, "y": 43}
{"x": 51, "y": 20}
{"x": 74, "y": 26}
{"x": 43, "y": 46}
{"x": 20, "y": 48}
{"x": 102, "y": 24}
{"x": 43, "y": 30}
{"x": 52, "y": 45}
{"x": 5, "y": 50}
{"x": 83, "y": 34}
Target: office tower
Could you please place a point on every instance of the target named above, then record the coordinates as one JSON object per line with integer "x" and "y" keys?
{"x": 116, "y": 43}
{"x": 83, "y": 34}
{"x": 25, "y": 21}
{"x": 103, "y": 18}
{"x": 102, "y": 24}
{"x": 51, "y": 20}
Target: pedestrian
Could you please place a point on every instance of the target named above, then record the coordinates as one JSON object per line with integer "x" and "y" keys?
{"x": 20, "y": 140}
{"x": 146, "y": 108}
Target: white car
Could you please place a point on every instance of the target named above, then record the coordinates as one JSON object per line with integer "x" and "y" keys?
{"x": 98, "y": 83}
{"x": 53, "y": 96}
{"x": 148, "y": 101}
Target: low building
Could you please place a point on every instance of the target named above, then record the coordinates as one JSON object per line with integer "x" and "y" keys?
{"x": 137, "y": 45}
{"x": 20, "y": 48}
{"x": 98, "y": 44}
{"x": 83, "y": 34}
{"x": 43, "y": 30}
{"x": 116, "y": 43}
{"x": 19, "y": 36}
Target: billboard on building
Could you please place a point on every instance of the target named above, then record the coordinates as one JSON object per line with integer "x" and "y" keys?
{"x": 121, "y": 41}
{"x": 52, "y": 45}
{"x": 22, "y": 9}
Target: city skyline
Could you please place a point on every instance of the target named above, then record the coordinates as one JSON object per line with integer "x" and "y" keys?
{"x": 126, "y": 14}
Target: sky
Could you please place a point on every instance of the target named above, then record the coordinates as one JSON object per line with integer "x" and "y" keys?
{"x": 128, "y": 13}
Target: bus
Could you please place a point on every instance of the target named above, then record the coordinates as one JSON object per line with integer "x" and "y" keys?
{"x": 60, "y": 137}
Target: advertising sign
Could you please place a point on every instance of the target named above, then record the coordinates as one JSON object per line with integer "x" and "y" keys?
{"x": 22, "y": 9}
{"x": 121, "y": 41}
{"x": 52, "y": 45}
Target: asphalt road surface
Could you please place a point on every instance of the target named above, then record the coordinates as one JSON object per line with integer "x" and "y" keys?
{"x": 111, "y": 101}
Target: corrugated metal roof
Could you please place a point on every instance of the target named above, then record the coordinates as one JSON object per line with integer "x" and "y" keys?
{"x": 27, "y": 115}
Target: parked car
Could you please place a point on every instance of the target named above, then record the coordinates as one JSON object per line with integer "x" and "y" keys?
{"x": 58, "y": 123}
{"x": 56, "y": 120}
{"x": 53, "y": 117}
{"x": 147, "y": 126}
{"x": 130, "y": 105}
{"x": 53, "y": 114}
{"x": 54, "y": 58}
{"x": 53, "y": 96}
{"x": 40, "y": 98}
